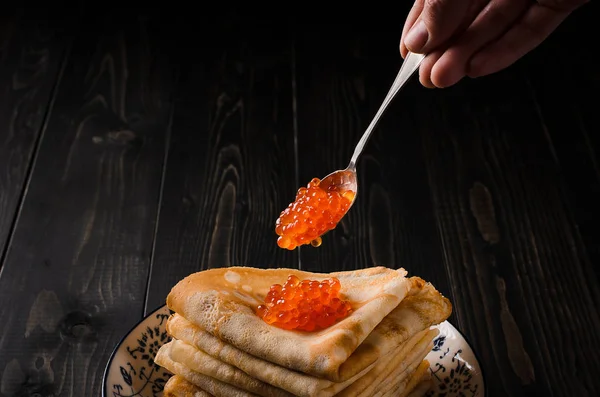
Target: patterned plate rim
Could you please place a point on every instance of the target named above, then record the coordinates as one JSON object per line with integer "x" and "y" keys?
{"x": 162, "y": 307}
{"x": 118, "y": 345}
{"x": 476, "y": 355}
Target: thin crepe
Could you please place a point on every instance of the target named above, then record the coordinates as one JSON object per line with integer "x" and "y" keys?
{"x": 421, "y": 373}
{"x": 223, "y": 302}
{"x": 177, "y": 386}
{"x": 405, "y": 382}
{"x": 423, "y": 387}
{"x": 408, "y": 355}
{"x": 206, "y": 383}
{"x": 202, "y": 363}
{"x": 297, "y": 383}
{"x": 423, "y": 308}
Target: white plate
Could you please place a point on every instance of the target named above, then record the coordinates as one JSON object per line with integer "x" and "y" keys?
{"x": 131, "y": 371}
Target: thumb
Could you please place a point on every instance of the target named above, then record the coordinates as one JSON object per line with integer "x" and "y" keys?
{"x": 438, "y": 21}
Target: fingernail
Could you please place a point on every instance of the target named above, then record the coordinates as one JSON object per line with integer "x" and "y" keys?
{"x": 417, "y": 37}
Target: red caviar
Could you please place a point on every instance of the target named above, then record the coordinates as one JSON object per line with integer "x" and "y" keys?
{"x": 306, "y": 305}
{"x": 314, "y": 212}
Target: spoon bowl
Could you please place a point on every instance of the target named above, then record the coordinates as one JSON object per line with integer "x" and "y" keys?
{"x": 341, "y": 181}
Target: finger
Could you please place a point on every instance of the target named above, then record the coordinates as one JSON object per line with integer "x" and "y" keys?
{"x": 528, "y": 32}
{"x": 426, "y": 66}
{"x": 474, "y": 7}
{"x": 562, "y": 5}
{"x": 437, "y": 22}
{"x": 414, "y": 13}
{"x": 493, "y": 20}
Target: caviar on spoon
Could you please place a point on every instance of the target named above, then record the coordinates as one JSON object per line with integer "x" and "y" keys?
{"x": 320, "y": 206}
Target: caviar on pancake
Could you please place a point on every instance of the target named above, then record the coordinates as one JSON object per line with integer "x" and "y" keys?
{"x": 306, "y": 305}
{"x": 314, "y": 212}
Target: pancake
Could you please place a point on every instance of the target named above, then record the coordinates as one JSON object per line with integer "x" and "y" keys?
{"x": 223, "y": 302}
{"x": 222, "y": 347}
{"x": 402, "y": 363}
{"x": 177, "y": 386}
{"x": 424, "y": 306}
{"x": 423, "y": 387}
{"x": 294, "y": 382}
{"x": 206, "y": 383}
{"x": 202, "y": 363}
{"x": 421, "y": 373}
{"x": 406, "y": 382}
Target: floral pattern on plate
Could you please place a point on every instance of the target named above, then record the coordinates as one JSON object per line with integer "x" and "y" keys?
{"x": 454, "y": 368}
{"x": 131, "y": 371}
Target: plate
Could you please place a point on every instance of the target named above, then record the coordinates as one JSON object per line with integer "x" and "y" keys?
{"x": 131, "y": 371}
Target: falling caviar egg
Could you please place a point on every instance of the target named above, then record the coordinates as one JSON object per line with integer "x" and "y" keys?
{"x": 307, "y": 305}
{"x": 314, "y": 212}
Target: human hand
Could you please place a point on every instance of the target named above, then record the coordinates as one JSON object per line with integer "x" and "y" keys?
{"x": 477, "y": 37}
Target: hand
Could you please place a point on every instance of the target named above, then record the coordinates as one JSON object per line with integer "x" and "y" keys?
{"x": 477, "y": 37}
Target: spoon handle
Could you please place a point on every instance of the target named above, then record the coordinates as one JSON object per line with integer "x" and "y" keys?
{"x": 409, "y": 66}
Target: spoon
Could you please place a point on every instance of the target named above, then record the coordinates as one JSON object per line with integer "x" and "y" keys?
{"x": 345, "y": 180}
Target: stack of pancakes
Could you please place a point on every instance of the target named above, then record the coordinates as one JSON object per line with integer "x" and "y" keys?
{"x": 220, "y": 347}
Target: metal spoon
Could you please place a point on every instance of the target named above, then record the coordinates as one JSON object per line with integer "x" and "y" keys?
{"x": 345, "y": 180}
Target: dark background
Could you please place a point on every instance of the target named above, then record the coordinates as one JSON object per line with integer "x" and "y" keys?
{"x": 138, "y": 145}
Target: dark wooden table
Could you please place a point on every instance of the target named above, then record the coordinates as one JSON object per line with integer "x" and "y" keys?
{"x": 136, "y": 148}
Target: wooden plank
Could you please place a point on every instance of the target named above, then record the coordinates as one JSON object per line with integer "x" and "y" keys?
{"x": 231, "y": 164}
{"x": 522, "y": 281}
{"x": 477, "y": 155}
{"x": 31, "y": 51}
{"x": 571, "y": 118}
{"x": 74, "y": 280}
{"x": 343, "y": 76}
{"x": 518, "y": 272}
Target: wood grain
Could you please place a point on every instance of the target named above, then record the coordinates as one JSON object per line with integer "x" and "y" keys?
{"x": 567, "y": 102}
{"x": 489, "y": 189}
{"x": 466, "y": 183}
{"x": 31, "y": 51}
{"x": 520, "y": 277}
{"x": 74, "y": 280}
{"x": 522, "y": 280}
{"x": 231, "y": 162}
{"x": 342, "y": 80}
